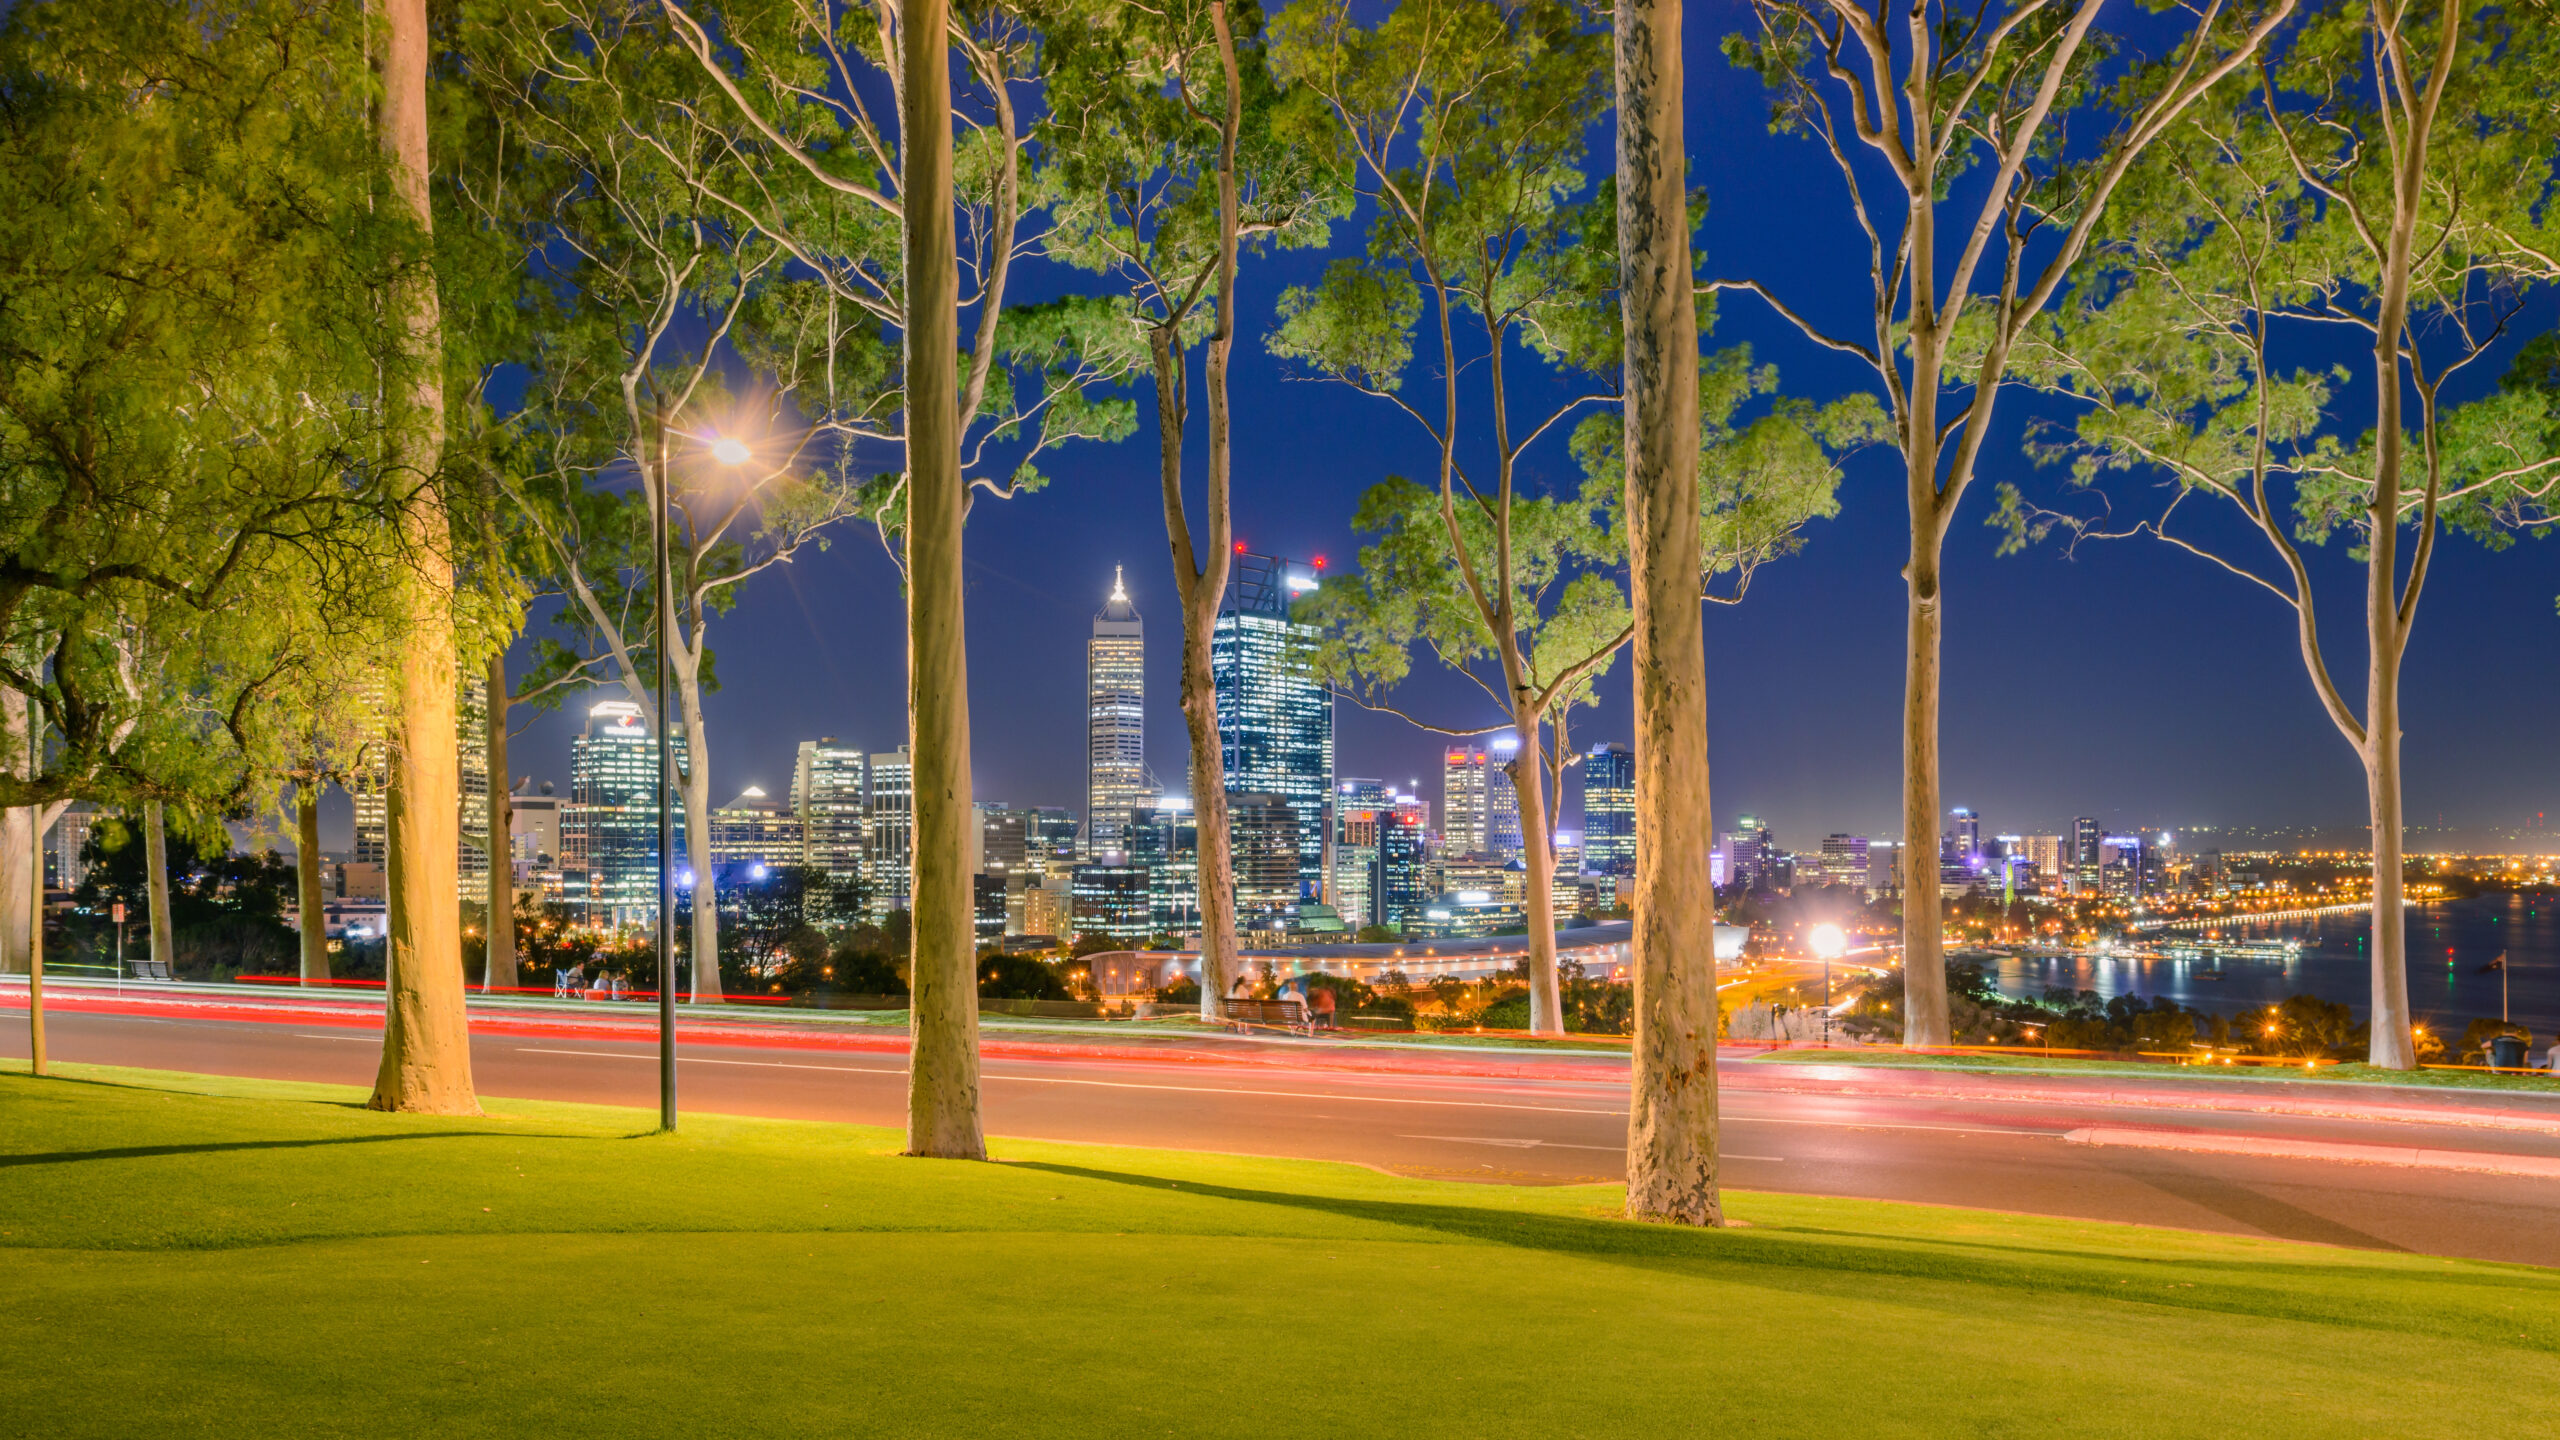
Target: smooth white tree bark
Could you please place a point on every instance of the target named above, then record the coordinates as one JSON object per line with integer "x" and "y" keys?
{"x": 1671, "y": 1107}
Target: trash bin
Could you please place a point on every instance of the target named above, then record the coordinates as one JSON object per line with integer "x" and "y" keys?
{"x": 2506, "y": 1052}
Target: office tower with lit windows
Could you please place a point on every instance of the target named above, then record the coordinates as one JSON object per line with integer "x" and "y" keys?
{"x": 889, "y": 862}
{"x": 1050, "y": 833}
{"x": 1403, "y": 885}
{"x": 1748, "y": 850}
{"x": 1609, "y": 810}
{"x": 1462, "y": 800}
{"x": 609, "y": 828}
{"x": 756, "y": 829}
{"x": 1275, "y": 723}
{"x": 831, "y": 798}
{"x": 1263, "y": 831}
{"x": 1004, "y": 839}
{"x": 1844, "y": 860}
{"x": 2085, "y": 842}
{"x": 471, "y": 781}
{"x": 1115, "y": 683}
{"x": 1963, "y": 843}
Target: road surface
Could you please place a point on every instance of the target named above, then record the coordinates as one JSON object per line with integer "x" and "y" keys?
{"x": 2007, "y": 1144}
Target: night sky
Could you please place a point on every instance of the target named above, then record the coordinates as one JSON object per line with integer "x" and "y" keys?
{"x": 2134, "y": 683}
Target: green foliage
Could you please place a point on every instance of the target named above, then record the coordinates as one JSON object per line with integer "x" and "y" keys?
{"x": 1019, "y": 977}
{"x": 192, "y": 274}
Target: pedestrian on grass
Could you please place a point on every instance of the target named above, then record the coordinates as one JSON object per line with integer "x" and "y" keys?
{"x": 1323, "y": 1002}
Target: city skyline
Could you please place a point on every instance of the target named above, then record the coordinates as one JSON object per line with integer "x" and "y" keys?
{"x": 1409, "y": 757}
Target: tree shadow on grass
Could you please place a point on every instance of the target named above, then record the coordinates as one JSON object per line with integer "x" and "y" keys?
{"x": 1843, "y": 1259}
{"x": 214, "y": 1147}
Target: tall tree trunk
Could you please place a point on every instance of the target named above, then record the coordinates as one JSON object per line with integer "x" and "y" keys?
{"x": 942, "y": 1066}
{"x": 36, "y": 1063}
{"x": 19, "y": 845}
{"x": 2390, "y": 1041}
{"x": 1202, "y": 589}
{"x": 1924, "y": 966}
{"x": 1671, "y": 1105}
{"x": 697, "y": 844}
{"x": 1537, "y": 836}
{"x": 306, "y": 882}
{"x": 1202, "y": 577}
{"x": 37, "y": 815}
{"x": 426, "y": 1036}
{"x": 498, "y": 970}
{"x": 155, "y": 876}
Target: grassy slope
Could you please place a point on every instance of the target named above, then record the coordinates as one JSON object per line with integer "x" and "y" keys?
{"x": 204, "y": 1256}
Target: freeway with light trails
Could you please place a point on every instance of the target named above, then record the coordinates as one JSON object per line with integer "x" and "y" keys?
{"x": 2455, "y": 1172}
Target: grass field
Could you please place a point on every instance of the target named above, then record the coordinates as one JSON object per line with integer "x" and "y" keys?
{"x": 193, "y": 1256}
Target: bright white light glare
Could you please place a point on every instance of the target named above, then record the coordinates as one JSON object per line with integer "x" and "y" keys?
{"x": 1828, "y": 941}
{"x": 730, "y": 450}
{"x": 1300, "y": 584}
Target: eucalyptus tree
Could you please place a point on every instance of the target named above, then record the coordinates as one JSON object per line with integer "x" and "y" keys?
{"x": 426, "y": 1039}
{"x": 1959, "y": 117}
{"x": 191, "y": 347}
{"x": 1163, "y": 165}
{"x": 1672, "y": 1121}
{"x": 881, "y": 235}
{"x": 1464, "y": 125}
{"x": 2385, "y": 176}
{"x": 629, "y": 421}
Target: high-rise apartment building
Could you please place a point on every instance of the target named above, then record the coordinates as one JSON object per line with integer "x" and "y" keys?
{"x": 1115, "y": 669}
{"x": 889, "y": 857}
{"x": 1275, "y": 723}
{"x": 609, "y": 829}
{"x": 1609, "y": 810}
{"x": 831, "y": 798}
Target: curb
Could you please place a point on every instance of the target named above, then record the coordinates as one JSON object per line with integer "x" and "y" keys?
{"x": 2472, "y": 1161}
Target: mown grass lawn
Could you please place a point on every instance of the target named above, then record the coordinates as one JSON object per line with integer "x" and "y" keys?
{"x": 195, "y": 1256}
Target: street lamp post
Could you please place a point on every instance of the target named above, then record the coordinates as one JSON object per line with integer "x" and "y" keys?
{"x": 1830, "y": 942}
{"x": 661, "y": 520}
{"x": 730, "y": 451}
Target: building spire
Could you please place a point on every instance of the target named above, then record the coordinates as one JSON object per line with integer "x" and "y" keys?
{"x": 1119, "y": 592}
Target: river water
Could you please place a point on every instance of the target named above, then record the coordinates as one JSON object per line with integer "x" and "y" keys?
{"x": 2449, "y": 942}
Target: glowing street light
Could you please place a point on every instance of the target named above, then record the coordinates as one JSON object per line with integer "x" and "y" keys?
{"x": 730, "y": 450}
{"x": 1830, "y": 942}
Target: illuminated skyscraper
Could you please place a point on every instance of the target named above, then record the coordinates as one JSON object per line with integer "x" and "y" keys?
{"x": 889, "y": 861}
{"x": 831, "y": 798}
{"x": 1609, "y": 811}
{"x": 1275, "y": 723}
{"x": 1115, "y": 721}
{"x": 609, "y": 829}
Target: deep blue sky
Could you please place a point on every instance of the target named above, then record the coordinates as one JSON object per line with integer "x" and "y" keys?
{"x": 2134, "y": 683}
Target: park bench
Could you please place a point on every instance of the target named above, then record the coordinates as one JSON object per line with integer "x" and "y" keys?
{"x": 1283, "y": 1014}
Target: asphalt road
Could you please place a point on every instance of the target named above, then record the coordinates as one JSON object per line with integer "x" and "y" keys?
{"x": 2000, "y": 1152}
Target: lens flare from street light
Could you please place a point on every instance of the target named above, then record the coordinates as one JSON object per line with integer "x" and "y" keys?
{"x": 1828, "y": 940}
{"x": 730, "y": 450}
